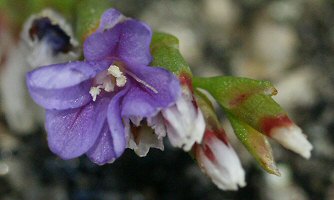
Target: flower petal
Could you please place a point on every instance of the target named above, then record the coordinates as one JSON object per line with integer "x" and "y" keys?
{"x": 134, "y": 42}
{"x": 101, "y": 45}
{"x": 128, "y": 41}
{"x": 103, "y": 150}
{"x": 109, "y": 19}
{"x": 73, "y": 132}
{"x": 142, "y": 139}
{"x": 63, "y": 86}
{"x": 116, "y": 126}
{"x": 185, "y": 123}
{"x": 220, "y": 162}
{"x": 292, "y": 137}
{"x": 154, "y": 89}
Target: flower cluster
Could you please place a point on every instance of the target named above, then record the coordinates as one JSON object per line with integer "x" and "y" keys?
{"x": 116, "y": 99}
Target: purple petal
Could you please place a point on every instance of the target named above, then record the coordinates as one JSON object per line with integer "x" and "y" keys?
{"x": 109, "y": 19}
{"x": 101, "y": 45}
{"x": 128, "y": 41}
{"x": 63, "y": 86}
{"x": 134, "y": 42}
{"x": 115, "y": 122}
{"x": 103, "y": 150}
{"x": 162, "y": 90}
{"x": 73, "y": 132}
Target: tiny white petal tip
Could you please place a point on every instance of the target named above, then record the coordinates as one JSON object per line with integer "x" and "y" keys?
{"x": 291, "y": 137}
{"x": 222, "y": 164}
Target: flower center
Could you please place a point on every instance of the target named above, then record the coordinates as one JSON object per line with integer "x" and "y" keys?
{"x": 107, "y": 80}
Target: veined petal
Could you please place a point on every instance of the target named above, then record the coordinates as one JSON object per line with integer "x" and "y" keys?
{"x": 73, "y": 132}
{"x": 109, "y": 19}
{"x": 102, "y": 151}
{"x": 116, "y": 126}
{"x": 220, "y": 162}
{"x": 152, "y": 89}
{"x": 128, "y": 41}
{"x": 63, "y": 86}
{"x": 101, "y": 45}
{"x": 134, "y": 42}
{"x": 185, "y": 123}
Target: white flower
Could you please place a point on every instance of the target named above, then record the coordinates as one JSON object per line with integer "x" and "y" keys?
{"x": 220, "y": 162}
{"x": 184, "y": 121}
{"x": 142, "y": 137}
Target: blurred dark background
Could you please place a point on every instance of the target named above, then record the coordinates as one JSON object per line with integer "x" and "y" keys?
{"x": 290, "y": 43}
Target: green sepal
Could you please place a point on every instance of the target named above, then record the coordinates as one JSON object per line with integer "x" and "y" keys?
{"x": 166, "y": 54}
{"x": 211, "y": 120}
{"x": 247, "y": 99}
{"x": 88, "y": 16}
{"x": 256, "y": 144}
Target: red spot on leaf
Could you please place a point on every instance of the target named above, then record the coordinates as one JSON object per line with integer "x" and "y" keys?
{"x": 268, "y": 123}
{"x": 239, "y": 100}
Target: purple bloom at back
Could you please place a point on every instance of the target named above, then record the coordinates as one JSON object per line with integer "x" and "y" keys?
{"x": 89, "y": 104}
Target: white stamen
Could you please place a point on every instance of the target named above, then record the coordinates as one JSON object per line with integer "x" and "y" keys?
{"x": 120, "y": 81}
{"x": 108, "y": 86}
{"x": 115, "y": 71}
{"x": 94, "y": 91}
{"x": 143, "y": 82}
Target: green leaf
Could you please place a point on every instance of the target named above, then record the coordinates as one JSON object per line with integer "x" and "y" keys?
{"x": 88, "y": 16}
{"x": 248, "y": 100}
{"x": 166, "y": 54}
{"x": 256, "y": 144}
{"x": 228, "y": 88}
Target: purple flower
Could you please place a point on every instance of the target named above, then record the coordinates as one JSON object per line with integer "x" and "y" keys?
{"x": 90, "y": 104}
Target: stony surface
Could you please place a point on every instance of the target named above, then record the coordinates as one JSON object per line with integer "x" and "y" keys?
{"x": 288, "y": 42}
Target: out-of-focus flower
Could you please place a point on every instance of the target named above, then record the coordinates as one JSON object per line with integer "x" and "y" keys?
{"x": 219, "y": 161}
{"x": 184, "y": 121}
{"x": 46, "y": 39}
{"x": 91, "y": 105}
{"x": 49, "y": 39}
{"x": 6, "y": 38}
